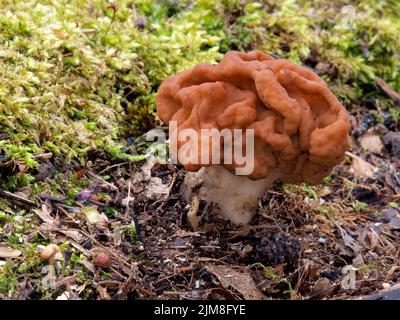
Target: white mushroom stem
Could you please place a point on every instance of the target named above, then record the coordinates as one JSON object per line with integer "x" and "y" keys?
{"x": 236, "y": 196}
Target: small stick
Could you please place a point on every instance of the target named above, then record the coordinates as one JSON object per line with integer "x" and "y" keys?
{"x": 50, "y": 198}
{"x": 113, "y": 166}
{"x": 11, "y": 196}
{"x": 44, "y": 156}
{"x": 100, "y": 179}
{"x": 388, "y": 90}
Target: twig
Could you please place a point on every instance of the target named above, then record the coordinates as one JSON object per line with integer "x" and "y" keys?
{"x": 11, "y": 196}
{"x": 388, "y": 90}
{"x": 100, "y": 179}
{"x": 44, "y": 156}
{"x": 114, "y": 9}
{"x": 129, "y": 196}
{"x": 113, "y": 166}
{"x": 52, "y": 199}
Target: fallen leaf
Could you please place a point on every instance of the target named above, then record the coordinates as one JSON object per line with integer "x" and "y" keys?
{"x": 66, "y": 281}
{"x": 155, "y": 187}
{"x": 392, "y": 217}
{"x": 88, "y": 265}
{"x": 104, "y": 295}
{"x": 361, "y": 168}
{"x": 348, "y": 240}
{"x": 369, "y": 237}
{"x": 44, "y": 214}
{"x": 92, "y": 214}
{"x": 391, "y": 271}
{"x": 241, "y": 281}
{"x": 358, "y": 260}
{"x": 76, "y": 235}
{"x": 371, "y": 142}
{"x": 79, "y": 173}
{"x": 322, "y": 288}
{"x": 7, "y": 252}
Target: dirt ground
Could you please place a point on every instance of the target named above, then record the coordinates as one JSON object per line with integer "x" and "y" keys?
{"x": 297, "y": 246}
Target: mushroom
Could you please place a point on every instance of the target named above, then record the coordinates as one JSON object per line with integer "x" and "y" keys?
{"x": 300, "y": 128}
{"x": 102, "y": 259}
{"x": 49, "y": 252}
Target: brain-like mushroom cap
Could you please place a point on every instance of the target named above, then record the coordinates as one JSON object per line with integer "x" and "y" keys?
{"x": 300, "y": 126}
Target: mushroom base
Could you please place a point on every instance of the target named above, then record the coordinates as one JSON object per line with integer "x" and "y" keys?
{"x": 236, "y": 196}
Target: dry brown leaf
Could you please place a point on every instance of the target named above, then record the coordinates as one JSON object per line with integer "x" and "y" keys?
{"x": 361, "y": 168}
{"x": 241, "y": 281}
{"x": 348, "y": 240}
{"x": 392, "y": 217}
{"x": 73, "y": 234}
{"x": 88, "y": 265}
{"x": 9, "y": 253}
{"x": 371, "y": 142}
{"x": 44, "y": 214}
{"x": 104, "y": 295}
{"x": 369, "y": 238}
{"x": 322, "y": 288}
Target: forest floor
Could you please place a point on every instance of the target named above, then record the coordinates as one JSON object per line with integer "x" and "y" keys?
{"x": 296, "y": 247}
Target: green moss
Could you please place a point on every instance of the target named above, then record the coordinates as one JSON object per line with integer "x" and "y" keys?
{"x": 327, "y": 180}
{"x": 16, "y": 181}
{"x": 4, "y": 218}
{"x": 83, "y": 77}
{"x": 7, "y": 278}
{"x": 360, "y": 206}
{"x": 71, "y": 74}
{"x": 309, "y": 190}
{"x": 317, "y": 32}
{"x": 395, "y": 114}
{"x": 324, "y": 210}
{"x": 31, "y": 261}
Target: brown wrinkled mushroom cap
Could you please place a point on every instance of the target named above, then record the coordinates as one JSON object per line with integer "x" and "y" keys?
{"x": 300, "y": 127}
